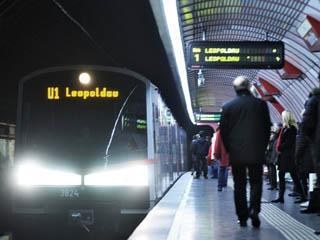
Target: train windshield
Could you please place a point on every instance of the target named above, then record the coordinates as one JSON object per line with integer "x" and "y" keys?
{"x": 83, "y": 126}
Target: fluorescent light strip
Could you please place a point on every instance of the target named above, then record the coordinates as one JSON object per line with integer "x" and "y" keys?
{"x": 171, "y": 13}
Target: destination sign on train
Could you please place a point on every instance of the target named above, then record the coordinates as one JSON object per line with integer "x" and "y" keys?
{"x": 248, "y": 54}
{"x": 56, "y": 93}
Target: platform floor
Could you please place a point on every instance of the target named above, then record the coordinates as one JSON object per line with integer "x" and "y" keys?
{"x": 194, "y": 209}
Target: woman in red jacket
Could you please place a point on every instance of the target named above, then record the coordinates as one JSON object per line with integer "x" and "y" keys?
{"x": 221, "y": 154}
{"x": 214, "y": 165}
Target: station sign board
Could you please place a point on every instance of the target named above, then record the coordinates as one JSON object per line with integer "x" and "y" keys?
{"x": 208, "y": 117}
{"x": 231, "y": 55}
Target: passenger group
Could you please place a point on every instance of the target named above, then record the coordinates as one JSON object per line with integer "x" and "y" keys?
{"x": 245, "y": 141}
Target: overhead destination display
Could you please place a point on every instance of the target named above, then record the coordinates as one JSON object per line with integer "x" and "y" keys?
{"x": 258, "y": 55}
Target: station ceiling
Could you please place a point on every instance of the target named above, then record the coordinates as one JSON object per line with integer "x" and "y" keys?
{"x": 39, "y": 34}
{"x": 251, "y": 20}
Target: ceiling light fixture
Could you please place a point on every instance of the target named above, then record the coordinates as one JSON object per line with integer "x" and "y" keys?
{"x": 172, "y": 19}
{"x": 201, "y": 79}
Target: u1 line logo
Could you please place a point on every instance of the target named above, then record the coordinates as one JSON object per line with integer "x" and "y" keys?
{"x": 53, "y": 93}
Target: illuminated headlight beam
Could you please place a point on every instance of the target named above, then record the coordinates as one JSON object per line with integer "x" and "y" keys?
{"x": 170, "y": 10}
{"x": 33, "y": 175}
{"x": 126, "y": 176}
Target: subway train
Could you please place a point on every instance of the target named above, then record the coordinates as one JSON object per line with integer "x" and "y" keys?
{"x": 94, "y": 145}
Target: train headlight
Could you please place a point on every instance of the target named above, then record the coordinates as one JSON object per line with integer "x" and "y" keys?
{"x": 84, "y": 78}
{"x": 34, "y": 175}
{"x": 124, "y": 176}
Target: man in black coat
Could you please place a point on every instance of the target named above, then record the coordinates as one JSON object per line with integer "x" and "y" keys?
{"x": 310, "y": 128}
{"x": 201, "y": 152}
{"x": 245, "y": 131}
{"x": 303, "y": 159}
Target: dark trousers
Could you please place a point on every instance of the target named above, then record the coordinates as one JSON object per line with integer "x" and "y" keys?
{"x": 223, "y": 177}
{"x": 316, "y": 161}
{"x": 215, "y": 168}
{"x": 296, "y": 181}
{"x": 272, "y": 175}
{"x": 304, "y": 178}
{"x": 201, "y": 165}
{"x": 240, "y": 194}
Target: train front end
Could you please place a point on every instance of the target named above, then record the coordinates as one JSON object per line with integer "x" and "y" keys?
{"x": 81, "y": 148}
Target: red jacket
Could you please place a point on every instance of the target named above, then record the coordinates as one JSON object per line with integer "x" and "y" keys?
{"x": 220, "y": 151}
{"x": 209, "y": 160}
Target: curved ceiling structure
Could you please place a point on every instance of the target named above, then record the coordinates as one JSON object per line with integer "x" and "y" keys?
{"x": 251, "y": 20}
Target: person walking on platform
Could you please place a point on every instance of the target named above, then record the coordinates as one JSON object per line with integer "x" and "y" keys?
{"x": 221, "y": 155}
{"x": 201, "y": 152}
{"x": 286, "y": 144}
{"x": 245, "y": 131}
{"x": 193, "y": 152}
{"x": 212, "y": 162}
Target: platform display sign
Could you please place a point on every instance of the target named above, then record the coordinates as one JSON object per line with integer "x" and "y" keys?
{"x": 208, "y": 117}
{"x": 231, "y": 55}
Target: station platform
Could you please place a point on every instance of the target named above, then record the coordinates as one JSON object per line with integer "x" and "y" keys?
{"x": 194, "y": 209}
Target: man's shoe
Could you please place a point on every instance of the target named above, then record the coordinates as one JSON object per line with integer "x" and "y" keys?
{"x": 255, "y": 221}
{"x": 242, "y": 223}
{"x": 219, "y": 189}
{"x": 278, "y": 200}
{"x": 293, "y": 194}
{"x": 301, "y": 200}
{"x": 206, "y": 177}
{"x": 197, "y": 177}
{"x": 317, "y": 232}
{"x": 307, "y": 211}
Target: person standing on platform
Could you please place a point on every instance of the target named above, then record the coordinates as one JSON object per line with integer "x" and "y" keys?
{"x": 310, "y": 128}
{"x": 245, "y": 131}
{"x": 221, "y": 155}
{"x": 286, "y": 146}
{"x": 201, "y": 151}
{"x": 272, "y": 158}
{"x": 303, "y": 158}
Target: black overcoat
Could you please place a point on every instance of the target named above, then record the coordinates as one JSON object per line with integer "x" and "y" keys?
{"x": 310, "y": 126}
{"x": 245, "y": 129}
{"x": 286, "y": 148}
{"x": 303, "y": 153}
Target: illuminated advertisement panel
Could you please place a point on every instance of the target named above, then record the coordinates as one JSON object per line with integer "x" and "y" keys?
{"x": 258, "y": 55}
